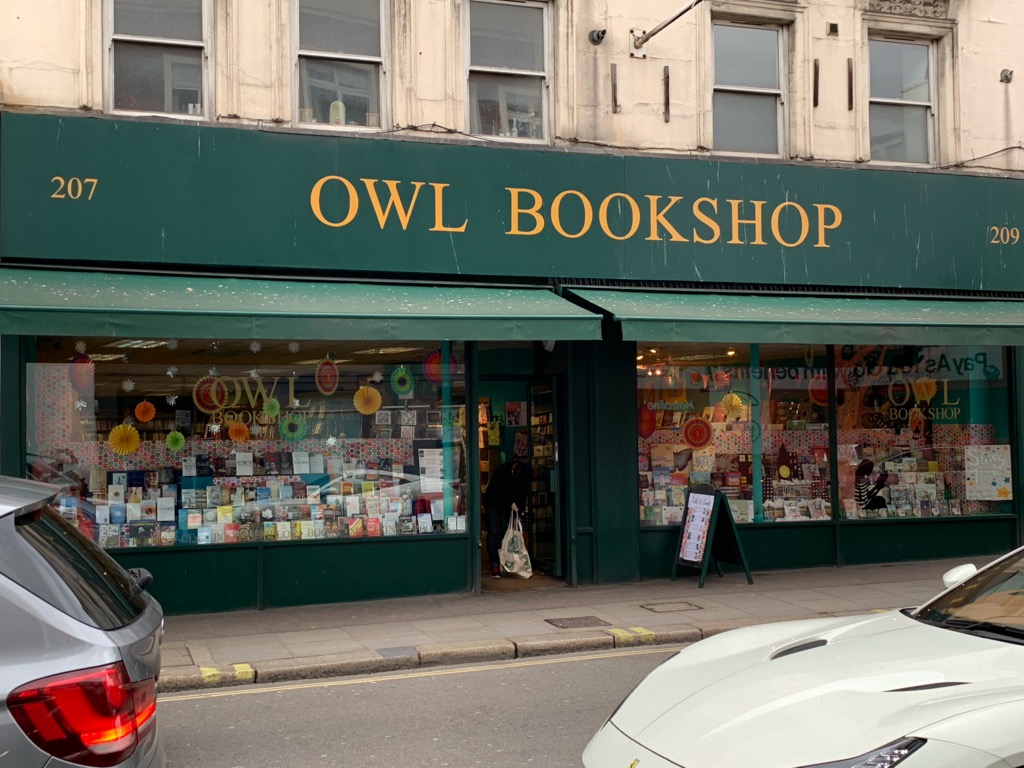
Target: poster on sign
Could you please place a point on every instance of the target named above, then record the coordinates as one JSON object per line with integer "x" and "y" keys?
{"x": 696, "y": 524}
{"x": 708, "y": 534}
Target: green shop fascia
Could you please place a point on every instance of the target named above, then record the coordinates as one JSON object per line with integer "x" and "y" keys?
{"x": 276, "y": 368}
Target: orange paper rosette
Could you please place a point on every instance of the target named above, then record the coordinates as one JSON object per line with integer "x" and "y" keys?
{"x": 367, "y": 400}
{"x": 124, "y": 439}
{"x": 145, "y": 411}
{"x": 238, "y": 432}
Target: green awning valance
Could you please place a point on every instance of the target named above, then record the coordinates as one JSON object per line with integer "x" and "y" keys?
{"x": 653, "y": 316}
{"x": 42, "y": 302}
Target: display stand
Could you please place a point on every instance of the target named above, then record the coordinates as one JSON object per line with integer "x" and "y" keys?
{"x": 708, "y": 533}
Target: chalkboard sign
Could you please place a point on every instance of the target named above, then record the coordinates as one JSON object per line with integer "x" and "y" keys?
{"x": 708, "y": 533}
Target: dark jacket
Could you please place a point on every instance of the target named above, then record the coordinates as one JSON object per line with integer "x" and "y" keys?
{"x": 510, "y": 483}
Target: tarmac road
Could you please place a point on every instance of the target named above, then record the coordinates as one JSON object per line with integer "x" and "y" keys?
{"x": 519, "y": 712}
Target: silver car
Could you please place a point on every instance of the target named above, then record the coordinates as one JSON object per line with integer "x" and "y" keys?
{"x": 79, "y": 644}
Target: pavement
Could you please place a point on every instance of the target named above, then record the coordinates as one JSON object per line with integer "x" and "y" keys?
{"x": 515, "y": 618}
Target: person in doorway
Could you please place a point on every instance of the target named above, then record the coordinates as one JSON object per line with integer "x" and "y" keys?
{"x": 869, "y": 496}
{"x": 506, "y": 493}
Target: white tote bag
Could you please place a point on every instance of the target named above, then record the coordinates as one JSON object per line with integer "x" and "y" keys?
{"x": 515, "y": 560}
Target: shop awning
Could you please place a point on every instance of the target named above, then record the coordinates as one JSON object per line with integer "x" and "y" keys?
{"x": 654, "y": 316}
{"x": 42, "y": 302}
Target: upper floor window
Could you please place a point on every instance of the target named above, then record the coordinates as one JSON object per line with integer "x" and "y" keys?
{"x": 747, "y": 104}
{"x": 901, "y": 102}
{"x": 507, "y": 69}
{"x": 340, "y": 62}
{"x": 158, "y": 51}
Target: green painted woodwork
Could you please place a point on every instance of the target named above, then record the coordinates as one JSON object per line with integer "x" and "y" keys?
{"x": 883, "y": 541}
{"x": 228, "y": 197}
{"x": 652, "y": 316}
{"x": 199, "y": 579}
{"x": 304, "y": 573}
{"x": 111, "y": 304}
{"x": 12, "y": 419}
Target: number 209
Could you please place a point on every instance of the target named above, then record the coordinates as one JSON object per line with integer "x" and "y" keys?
{"x": 1004, "y": 235}
{"x": 73, "y": 188}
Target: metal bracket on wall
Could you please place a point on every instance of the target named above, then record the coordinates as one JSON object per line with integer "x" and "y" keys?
{"x": 637, "y": 51}
{"x": 664, "y": 82}
{"x": 615, "y": 91}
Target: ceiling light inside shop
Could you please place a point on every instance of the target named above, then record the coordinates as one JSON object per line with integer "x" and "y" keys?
{"x": 136, "y": 344}
{"x": 385, "y": 350}
{"x": 653, "y": 351}
{"x": 730, "y": 352}
{"x": 316, "y": 360}
{"x": 104, "y": 358}
{"x": 639, "y": 357}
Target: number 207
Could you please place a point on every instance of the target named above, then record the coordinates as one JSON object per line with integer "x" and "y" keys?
{"x": 73, "y": 188}
{"x": 1004, "y": 235}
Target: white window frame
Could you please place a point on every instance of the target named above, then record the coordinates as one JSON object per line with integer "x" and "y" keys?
{"x": 781, "y": 113}
{"x": 544, "y": 77}
{"x": 381, "y": 61}
{"x": 205, "y": 46}
{"x": 940, "y": 36}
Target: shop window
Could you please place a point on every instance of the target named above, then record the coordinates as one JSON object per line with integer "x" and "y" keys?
{"x": 922, "y": 431}
{"x": 340, "y": 62}
{"x": 162, "y": 442}
{"x": 158, "y": 50}
{"x": 901, "y": 103}
{"x": 508, "y": 69}
{"x": 747, "y": 104}
{"x": 696, "y": 411}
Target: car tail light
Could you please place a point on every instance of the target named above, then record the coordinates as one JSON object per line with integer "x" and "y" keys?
{"x": 91, "y": 717}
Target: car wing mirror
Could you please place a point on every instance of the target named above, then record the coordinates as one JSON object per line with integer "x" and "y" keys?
{"x": 142, "y": 577}
{"x": 954, "y": 576}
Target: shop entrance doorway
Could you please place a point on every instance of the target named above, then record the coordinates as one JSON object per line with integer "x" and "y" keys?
{"x": 518, "y": 420}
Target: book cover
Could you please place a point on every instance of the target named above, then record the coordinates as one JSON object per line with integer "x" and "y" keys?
{"x": 319, "y": 529}
{"x": 142, "y": 534}
{"x": 284, "y": 491}
{"x": 262, "y": 494}
{"x": 102, "y": 514}
{"x": 351, "y": 505}
{"x": 272, "y": 462}
{"x": 296, "y": 529}
{"x": 305, "y": 512}
{"x": 313, "y": 494}
{"x": 269, "y": 531}
{"x": 134, "y": 494}
{"x": 389, "y": 525}
{"x": 194, "y": 519}
{"x": 300, "y": 462}
{"x": 374, "y": 527}
{"x": 148, "y": 510}
{"x": 165, "y": 509}
{"x": 286, "y": 466}
{"x": 231, "y": 533}
{"x": 224, "y": 514}
{"x": 217, "y": 534}
{"x": 133, "y": 512}
{"x": 298, "y": 489}
{"x": 243, "y": 464}
{"x": 284, "y": 531}
{"x": 373, "y": 506}
{"x": 317, "y": 464}
{"x": 109, "y": 536}
{"x": 407, "y": 524}
{"x": 317, "y": 512}
{"x": 168, "y": 536}
{"x": 348, "y": 488}
{"x": 119, "y": 514}
{"x": 424, "y": 523}
{"x": 356, "y": 527}
{"x": 116, "y": 494}
{"x": 306, "y": 529}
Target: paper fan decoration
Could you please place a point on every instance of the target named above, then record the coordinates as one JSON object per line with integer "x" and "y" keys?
{"x": 145, "y": 411}
{"x": 81, "y": 373}
{"x": 645, "y": 421}
{"x": 209, "y": 394}
{"x": 367, "y": 400}
{"x": 238, "y": 432}
{"x": 123, "y": 439}
{"x": 292, "y": 426}
{"x": 326, "y": 377}
{"x": 697, "y": 432}
{"x": 732, "y": 405}
{"x": 432, "y": 367}
{"x": 401, "y": 381}
{"x": 817, "y": 390}
{"x": 272, "y": 407}
{"x": 175, "y": 441}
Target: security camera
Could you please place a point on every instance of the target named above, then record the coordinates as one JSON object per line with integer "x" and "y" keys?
{"x": 596, "y": 36}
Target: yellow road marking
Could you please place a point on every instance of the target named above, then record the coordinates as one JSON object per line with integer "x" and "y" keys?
{"x": 244, "y": 672}
{"x": 622, "y": 634}
{"x": 667, "y": 649}
{"x": 210, "y": 674}
{"x": 644, "y": 635}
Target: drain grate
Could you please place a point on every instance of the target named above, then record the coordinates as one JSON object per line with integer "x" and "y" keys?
{"x": 670, "y": 607}
{"x": 578, "y": 622}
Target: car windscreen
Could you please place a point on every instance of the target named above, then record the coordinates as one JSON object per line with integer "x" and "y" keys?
{"x": 51, "y": 559}
{"x": 990, "y": 602}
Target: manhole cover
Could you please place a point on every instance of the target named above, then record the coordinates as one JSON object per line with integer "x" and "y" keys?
{"x": 577, "y": 622}
{"x": 670, "y": 607}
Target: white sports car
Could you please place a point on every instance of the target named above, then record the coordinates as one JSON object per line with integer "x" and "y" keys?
{"x": 940, "y": 686}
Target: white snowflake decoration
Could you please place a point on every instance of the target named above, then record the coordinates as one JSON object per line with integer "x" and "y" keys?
{"x": 172, "y": 344}
{"x": 215, "y": 429}
{"x": 254, "y": 374}
{"x": 378, "y": 377}
{"x": 80, "y": 347}
{"x": 295, "y": 403}
{"x": 124, "y": 358}
{"x": 332, "y": 441}
{"x": 81, "y": 404}
{"x": 255, "y": 346}
{"x": 294, "y": 346}
{"x": 128, "y": 385}
{"x": 214, "y": 372}
{"x": 129, "y": 421}
{"x": 172, "y": 371}
{"x": 256, "y": 430}
{"x": 172, "y": 399}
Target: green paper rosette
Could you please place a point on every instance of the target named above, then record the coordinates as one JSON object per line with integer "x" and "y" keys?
{"x": 292, "y": 427}
{"x": 402, "y": 381}
{"x": 175, "y": 441}
{"x": 272, "y": 407}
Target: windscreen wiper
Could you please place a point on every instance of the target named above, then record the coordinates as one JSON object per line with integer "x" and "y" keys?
{"x": 990, "y": 628}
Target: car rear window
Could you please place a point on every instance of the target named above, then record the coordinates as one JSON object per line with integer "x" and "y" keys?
{"x": 90, "y": 586}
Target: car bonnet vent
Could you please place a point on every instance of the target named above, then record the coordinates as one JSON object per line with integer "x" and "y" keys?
{"x": 925, "y": 687}
{"x": 799, "y": 648}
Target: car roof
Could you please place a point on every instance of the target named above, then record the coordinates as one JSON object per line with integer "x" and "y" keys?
{"x": 18, "y": 495}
